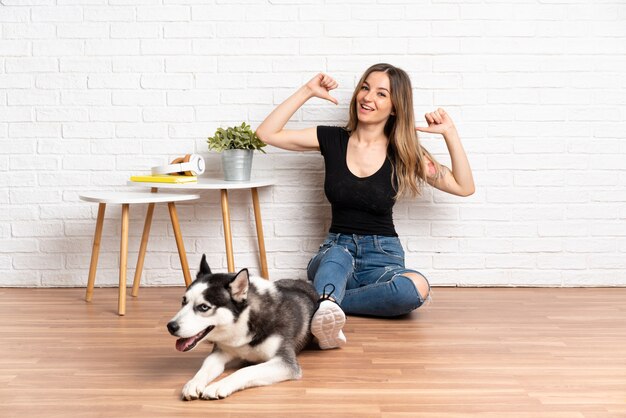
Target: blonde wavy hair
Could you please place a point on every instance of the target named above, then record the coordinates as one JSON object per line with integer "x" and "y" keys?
{"x": 404, "y": 149}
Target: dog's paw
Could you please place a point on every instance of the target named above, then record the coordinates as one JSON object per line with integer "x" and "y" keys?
{"x": 193, "y": 389}
{"x": 217, "y": 390}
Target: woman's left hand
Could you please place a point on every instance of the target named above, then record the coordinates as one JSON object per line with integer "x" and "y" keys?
{"x": 439, "y": 122}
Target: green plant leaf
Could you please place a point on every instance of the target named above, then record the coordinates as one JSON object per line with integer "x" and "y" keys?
{"x": 235, "y": 137}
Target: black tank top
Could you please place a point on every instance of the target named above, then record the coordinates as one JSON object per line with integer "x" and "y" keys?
{"x": 360, "y": 205}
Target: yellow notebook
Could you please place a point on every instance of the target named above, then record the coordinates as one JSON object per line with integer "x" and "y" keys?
{"x": 164, "y": 178}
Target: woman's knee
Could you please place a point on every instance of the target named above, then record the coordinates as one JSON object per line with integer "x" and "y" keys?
{"x": 339, "y": 255}
{"x": 420, "y": 282}
{"x": 333, "y": 255}
{"x": 407, "y": 296}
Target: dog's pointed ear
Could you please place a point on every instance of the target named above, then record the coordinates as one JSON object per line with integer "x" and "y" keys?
{"x": 239, "y": 286}
{"x": 204, "y": 267}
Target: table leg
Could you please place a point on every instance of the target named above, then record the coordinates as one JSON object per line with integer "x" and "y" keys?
{"x": 228, "y": 238}
{"x": 95, "y": 252}
{"x": 179, "y": 243}
{"x": 121, "y": 303}
{"x": 142, "y": 249}
{"x": 259, "y": 233}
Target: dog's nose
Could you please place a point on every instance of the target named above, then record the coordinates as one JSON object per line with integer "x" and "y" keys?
{"x": 173, "y": 327}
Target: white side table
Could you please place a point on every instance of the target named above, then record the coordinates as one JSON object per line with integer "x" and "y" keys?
{"x": 126, "y": 199}
{"x": 224, "y": 187}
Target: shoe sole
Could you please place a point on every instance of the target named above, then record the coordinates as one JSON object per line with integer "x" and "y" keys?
{"x": 326, "y": 327}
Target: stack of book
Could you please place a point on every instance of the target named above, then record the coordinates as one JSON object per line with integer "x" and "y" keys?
{"x": 164, "y": 178}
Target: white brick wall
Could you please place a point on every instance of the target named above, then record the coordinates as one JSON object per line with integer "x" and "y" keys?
{"x": 94, "y": 90}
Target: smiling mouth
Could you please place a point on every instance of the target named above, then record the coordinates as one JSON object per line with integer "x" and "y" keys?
{"x": 366, "y": 107}
{"x": 186, "y": 344}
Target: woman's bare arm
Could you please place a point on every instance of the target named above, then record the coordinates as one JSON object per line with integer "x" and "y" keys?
{"x": 458, "y": 181}
{"x": 272, "y": 131}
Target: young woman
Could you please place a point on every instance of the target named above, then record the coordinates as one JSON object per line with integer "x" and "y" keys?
{"x": 370, "y": 164}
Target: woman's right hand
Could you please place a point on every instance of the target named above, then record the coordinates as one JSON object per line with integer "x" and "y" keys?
{"x": 320, "y": 85}
{"x": 273, "y": 131}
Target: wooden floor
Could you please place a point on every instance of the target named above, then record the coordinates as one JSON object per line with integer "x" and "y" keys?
{"x": 473, "y": 352}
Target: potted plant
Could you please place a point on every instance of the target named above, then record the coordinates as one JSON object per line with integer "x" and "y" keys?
{"x": 237, "y": 145}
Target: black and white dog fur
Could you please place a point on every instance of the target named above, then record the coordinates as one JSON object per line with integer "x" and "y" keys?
{"x": 249, "y": 320}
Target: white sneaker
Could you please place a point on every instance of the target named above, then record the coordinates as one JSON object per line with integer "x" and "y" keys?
{"x": 327, "y": 323}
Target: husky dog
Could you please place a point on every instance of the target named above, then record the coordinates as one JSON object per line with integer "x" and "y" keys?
{"x": 249, "y": 320}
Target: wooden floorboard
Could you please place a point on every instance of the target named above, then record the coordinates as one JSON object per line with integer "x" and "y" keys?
{"x": 485, "y": 352}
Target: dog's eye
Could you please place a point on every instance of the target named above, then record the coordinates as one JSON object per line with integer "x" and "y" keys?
{"x": 184, "y": 302}
{"x": 203, "y": 307}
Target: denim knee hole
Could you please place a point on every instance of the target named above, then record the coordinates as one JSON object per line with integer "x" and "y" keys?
{"x": 412, "y": 300}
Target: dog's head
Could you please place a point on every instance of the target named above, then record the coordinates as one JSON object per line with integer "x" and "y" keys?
{"x": 211, "y": 302}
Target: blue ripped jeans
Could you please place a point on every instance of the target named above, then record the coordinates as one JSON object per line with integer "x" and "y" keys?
{"x": 367, "y": 272}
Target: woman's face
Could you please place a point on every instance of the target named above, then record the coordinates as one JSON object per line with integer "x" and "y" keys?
{"x": 373, "y": 100}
